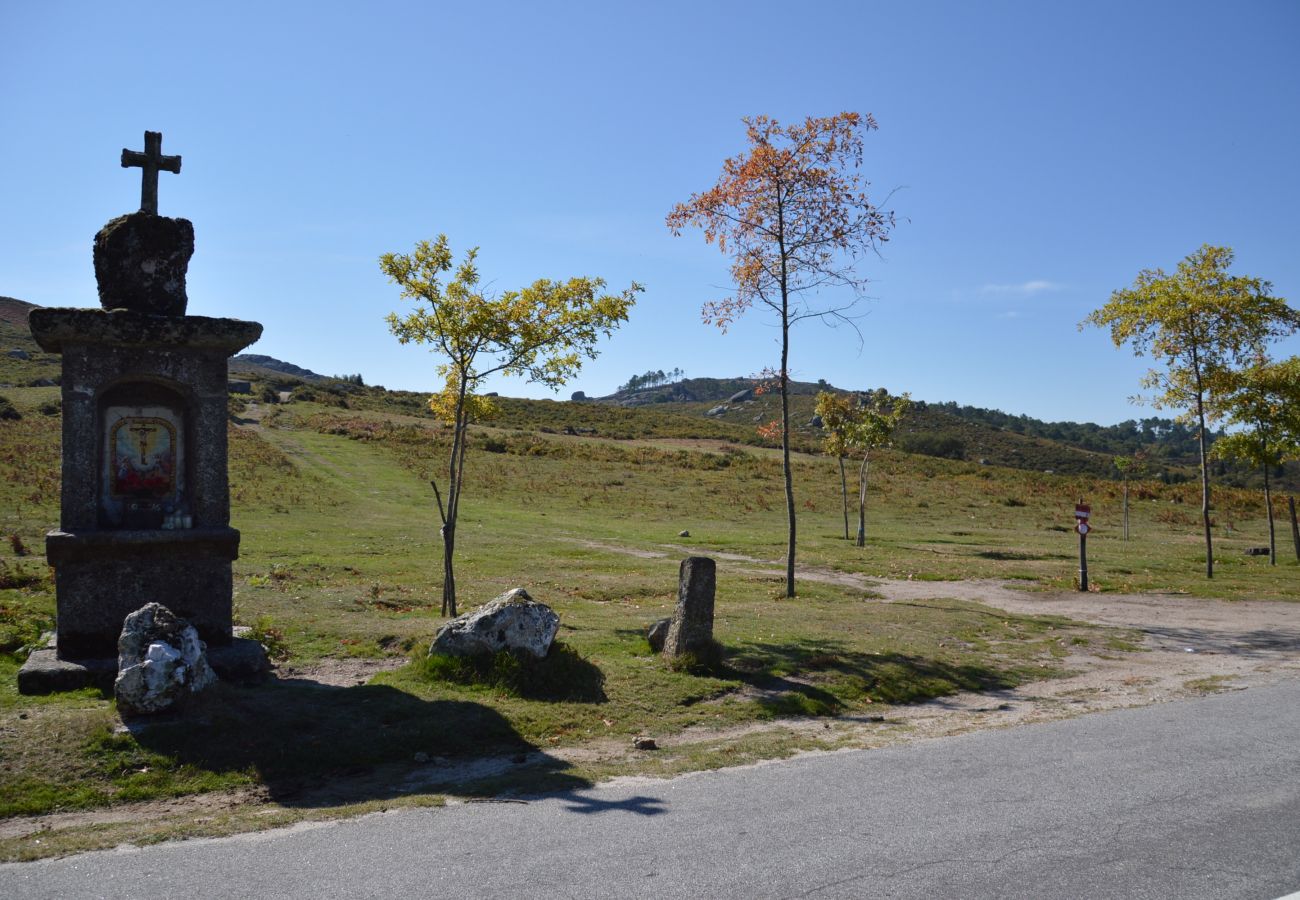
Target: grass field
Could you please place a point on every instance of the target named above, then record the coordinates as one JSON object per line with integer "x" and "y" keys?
{"x": 340, "y": 560}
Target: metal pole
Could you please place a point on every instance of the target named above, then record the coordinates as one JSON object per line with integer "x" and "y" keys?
{"x": 1083, "y": 561}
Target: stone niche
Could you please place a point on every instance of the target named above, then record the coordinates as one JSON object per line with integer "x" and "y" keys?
{"x": 145, "y": 513}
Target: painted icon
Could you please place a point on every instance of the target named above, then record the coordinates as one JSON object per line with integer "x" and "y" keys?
{"x": 143, "y": 457}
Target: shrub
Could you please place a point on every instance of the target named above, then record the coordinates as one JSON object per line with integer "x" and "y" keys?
{"x": 943, "y": 446}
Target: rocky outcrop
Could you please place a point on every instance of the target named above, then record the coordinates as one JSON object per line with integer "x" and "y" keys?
{"x": 160, "y": 662}
{"x": 514, "y": 621}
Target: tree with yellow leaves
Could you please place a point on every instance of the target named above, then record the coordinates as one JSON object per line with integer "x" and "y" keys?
{"x": 792, "y": 212}
{"x": 1200, "y": 321}
{"x": 541, "y": 333}
{"x": 856, "y": 425}
{"x": 1264, "y": 399}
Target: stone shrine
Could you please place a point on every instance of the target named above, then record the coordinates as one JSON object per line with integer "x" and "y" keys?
{"x": 145, "y": 506}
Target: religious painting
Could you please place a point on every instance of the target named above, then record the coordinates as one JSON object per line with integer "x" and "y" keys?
{"x": 143, "y": 458}
{"x": 143, "y": 463}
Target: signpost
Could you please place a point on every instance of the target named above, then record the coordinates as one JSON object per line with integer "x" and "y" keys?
{"x": 1082, "y": 512}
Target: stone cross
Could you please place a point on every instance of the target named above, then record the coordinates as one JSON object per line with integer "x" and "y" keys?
{"x": 151, "y": 161}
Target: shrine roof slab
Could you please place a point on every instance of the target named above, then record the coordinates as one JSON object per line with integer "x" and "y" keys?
{"x": 53, "y": 327}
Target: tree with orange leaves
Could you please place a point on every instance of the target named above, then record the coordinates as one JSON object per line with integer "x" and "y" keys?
{"x": 792, "y": 212}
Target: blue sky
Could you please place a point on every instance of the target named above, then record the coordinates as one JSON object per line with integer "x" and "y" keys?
{"x": 1038, "y": 155}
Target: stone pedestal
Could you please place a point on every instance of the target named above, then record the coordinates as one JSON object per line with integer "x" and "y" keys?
{"x": 145, "y": 513}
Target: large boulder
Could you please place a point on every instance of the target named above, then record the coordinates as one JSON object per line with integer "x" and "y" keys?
{"x": 741, "y": 396}
{"x": 160, "y": 662}
{"x": 514, "y": 621}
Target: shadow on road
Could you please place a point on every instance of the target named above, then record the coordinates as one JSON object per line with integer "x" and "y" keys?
{"x": 642, "y": 806}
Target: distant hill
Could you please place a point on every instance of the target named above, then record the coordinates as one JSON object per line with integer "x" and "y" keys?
{"x": 14, "y": 312}
{"x": 257, "y": 364}
{"x": 701, "y": 390}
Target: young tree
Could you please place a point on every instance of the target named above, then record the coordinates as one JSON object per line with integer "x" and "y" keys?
{"x": 1129, "y": 466}
{"x": 835, "y": 411}
{"x": 1199, "y": 321}
{"x": 1265, "y": 400}
{"x": 542, "y": 333}
{"x": 793, "y": 214}
{"x": 872, "y": 424}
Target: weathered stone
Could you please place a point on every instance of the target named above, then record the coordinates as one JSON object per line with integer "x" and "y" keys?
{"x": 141, "y": 261}
{"x": 691, "y": 629}
{"x": 657, "y": 633}
{"x": 1256, "y": 551}
{"x": 741, "y": 396}
{"x": 161, "y": 662}
{"x": 683, "y": 533}
{"x": 129, "y": 330}
{"x": 45, "y": 673}
{"x": 513, "y": 621}
{"x": 242, "y": 660}
{"x": 716, "y": 411}
{"x": 102, "y": 575}
{"x": 578, "y": 396}
{"x": 18, "y": 353}
{"x": 644, "y": 744}
{"x": 815, "y": 422}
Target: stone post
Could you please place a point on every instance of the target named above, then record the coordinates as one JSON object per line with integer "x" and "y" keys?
{"x": 691, "y": 630}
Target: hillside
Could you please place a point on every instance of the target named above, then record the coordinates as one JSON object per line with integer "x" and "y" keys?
{"x": 14, "y": 312}
{"x": 704, "y": 408}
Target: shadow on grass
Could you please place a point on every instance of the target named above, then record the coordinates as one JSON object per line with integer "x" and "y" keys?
{"x": 823, "y": 677}
{"x": 563, "y": 675}
{"x": 320, "y": 745}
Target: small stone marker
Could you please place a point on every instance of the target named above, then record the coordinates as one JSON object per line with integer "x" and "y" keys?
{"x": 691, "y": 630}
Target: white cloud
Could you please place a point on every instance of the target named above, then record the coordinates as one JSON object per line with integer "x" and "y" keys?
{"x": 1025, "y": 289}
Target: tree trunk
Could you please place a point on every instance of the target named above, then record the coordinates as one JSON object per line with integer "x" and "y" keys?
{"x": 1295, "y": 526}
{"x": 455, "y": 475}
{"x": 1272, "y": 535}
{"x": 844, "y": 495}
{"x": 1205, "y": 471}
{"x": 448, "y": 574}
{"x": 1126, "y": 509}
{"x": 862, "y": 503}
{"x": 785, "y": 455}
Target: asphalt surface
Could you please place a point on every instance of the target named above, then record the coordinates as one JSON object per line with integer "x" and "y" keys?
{"x": 1191, "y": 799}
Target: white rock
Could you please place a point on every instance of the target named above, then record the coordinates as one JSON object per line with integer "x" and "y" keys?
{"x": 513, "y": 621}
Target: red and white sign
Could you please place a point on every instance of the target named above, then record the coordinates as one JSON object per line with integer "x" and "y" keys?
{"x": 1082, "y": 511}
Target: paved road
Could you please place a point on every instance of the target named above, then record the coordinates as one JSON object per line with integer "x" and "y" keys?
{"x": 1187, "y": 800}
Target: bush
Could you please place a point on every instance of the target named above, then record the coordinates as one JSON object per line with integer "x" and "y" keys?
{"x": 943, "y": 446}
